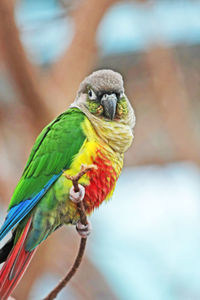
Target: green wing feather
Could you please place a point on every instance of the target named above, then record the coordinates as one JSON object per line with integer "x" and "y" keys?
{"x": 52, "y": 152}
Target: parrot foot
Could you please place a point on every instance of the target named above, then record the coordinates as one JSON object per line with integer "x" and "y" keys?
{"x": 77, "y": 197}
{"x": 84, "y": 230}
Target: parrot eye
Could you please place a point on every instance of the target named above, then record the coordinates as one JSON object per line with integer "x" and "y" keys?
{"x": 92, "y": 94}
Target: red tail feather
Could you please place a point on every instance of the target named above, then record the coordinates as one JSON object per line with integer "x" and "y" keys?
{"x": 15, "y": 265}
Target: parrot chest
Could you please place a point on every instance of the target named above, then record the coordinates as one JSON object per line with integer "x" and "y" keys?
{"x": 102, "y": 180}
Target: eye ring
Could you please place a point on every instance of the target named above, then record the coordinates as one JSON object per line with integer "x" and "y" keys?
{"x": 91, "y": 94}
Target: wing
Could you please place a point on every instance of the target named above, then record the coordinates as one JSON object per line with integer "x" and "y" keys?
{"x": 52, "y": 153}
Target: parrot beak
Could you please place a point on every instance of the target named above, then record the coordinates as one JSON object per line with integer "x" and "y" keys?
{"x": 109, "y": 103}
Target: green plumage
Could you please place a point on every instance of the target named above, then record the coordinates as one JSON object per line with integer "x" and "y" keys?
{"x": 52, "y": 152}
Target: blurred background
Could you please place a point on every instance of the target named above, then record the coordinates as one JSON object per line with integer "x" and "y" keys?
{"x": 152, "y": 251}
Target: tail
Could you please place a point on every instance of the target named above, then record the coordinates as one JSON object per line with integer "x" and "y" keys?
{"x": 15, "y": 265}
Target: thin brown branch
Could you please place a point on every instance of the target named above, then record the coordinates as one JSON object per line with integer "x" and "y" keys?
{"x": 83, "y": 219}
{"x": 66, "y": 279}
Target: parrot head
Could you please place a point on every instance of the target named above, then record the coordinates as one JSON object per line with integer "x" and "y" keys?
{"x": 102, "y": 93}
{"x": 101, "y": 97}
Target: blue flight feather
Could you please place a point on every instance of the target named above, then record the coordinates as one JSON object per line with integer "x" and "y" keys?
{"x": 19, "y": 211}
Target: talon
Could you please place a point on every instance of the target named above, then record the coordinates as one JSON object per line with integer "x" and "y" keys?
{"x": 77, "y": 197}
{"x": 84, "y": 230}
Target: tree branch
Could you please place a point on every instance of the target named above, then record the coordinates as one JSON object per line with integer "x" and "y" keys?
{"x": 83, "y": 218}
{"x": 66, "y": 279}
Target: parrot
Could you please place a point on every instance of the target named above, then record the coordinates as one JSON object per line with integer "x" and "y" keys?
{"x": 96, "y": 129}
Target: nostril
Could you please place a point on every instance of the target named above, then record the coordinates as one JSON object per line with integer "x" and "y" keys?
{"x": 105, "y": 96}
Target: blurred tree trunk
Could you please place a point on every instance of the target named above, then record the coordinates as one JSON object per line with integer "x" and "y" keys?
{"x": 81, "y": 56}
{"x": 169, "y": 89}
{"x": 22, "y": 72}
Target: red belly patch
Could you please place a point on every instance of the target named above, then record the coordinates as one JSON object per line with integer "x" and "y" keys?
{"x": 102, "y": 182}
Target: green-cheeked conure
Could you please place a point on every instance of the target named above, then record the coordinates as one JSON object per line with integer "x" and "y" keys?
{"x": 96, "y": 129}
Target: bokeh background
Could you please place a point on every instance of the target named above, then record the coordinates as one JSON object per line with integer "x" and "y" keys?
{"x": 145, "y": 243}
